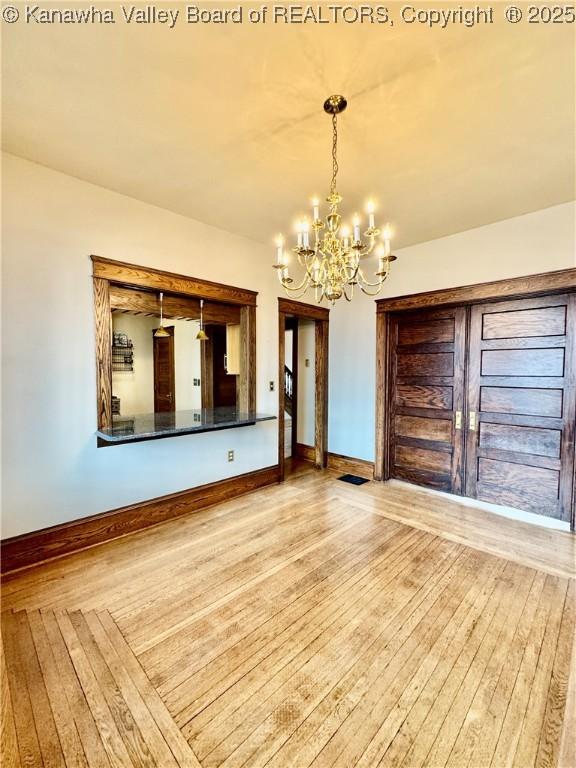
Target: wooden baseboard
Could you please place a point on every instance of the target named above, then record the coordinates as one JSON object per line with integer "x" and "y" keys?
{"x": 348, "y": 465}
{"x": 38, "y": 546}
{"x": 306, "y": 452}
{"x": 337, "y": 462}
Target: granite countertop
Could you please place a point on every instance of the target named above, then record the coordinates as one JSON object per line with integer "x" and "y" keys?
{"x": 151, "y": 426}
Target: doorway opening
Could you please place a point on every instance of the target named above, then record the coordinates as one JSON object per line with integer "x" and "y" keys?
{"x": 303, "y": 390}
{"x": 220, "y": 377}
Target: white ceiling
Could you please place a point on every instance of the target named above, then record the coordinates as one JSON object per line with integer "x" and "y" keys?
{"x": 447, "y": 129}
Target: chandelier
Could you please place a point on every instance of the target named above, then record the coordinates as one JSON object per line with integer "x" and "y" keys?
{"x": 332, "y": 261}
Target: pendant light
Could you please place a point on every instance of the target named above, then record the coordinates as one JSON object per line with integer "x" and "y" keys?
{"x": 161, "y": 333}
{"x": 201, "y": 335}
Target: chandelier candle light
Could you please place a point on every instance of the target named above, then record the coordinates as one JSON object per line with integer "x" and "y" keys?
{"x": 332, "y": 262}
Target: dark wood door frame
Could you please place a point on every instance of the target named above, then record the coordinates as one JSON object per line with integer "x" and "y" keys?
{"x": 548, "y": 283}
{"x": 287, "y": 309}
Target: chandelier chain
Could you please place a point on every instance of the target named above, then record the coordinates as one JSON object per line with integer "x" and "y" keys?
{"x": 334, "y": 153}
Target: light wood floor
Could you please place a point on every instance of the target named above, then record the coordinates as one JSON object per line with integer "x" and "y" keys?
{"x": 308, "y": 624}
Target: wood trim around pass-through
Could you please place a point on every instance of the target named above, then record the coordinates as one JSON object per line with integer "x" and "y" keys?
{"x": 113, "y": 281}
{"x": 160, "y": 280}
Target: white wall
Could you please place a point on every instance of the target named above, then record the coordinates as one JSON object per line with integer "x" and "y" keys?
{"x": 306, "y": 382}
{"x": 288, "y": 339}
{"x": 538, "y": 242}
{"x": 52, "y": 470}
{"x": 136, "y": 388}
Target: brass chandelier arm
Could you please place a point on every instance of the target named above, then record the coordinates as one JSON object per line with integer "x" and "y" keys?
{"x": 304, "y": 284}
{"x": 368, "y": 250}
{"x": 367, "y": 284}
{"x": 297, "y": 295}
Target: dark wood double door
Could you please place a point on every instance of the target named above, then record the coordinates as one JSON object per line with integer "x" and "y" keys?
{"x": 483, "y": 401}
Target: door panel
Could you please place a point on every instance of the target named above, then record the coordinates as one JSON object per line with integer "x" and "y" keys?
{"x": 427, "y": 389}
{"x": 424, "y": 428}
{"x": 436, "y": 461}
{"x": 164, "y": 377}
{"x": 435, "y": 364}
{"x": 532, "y": 440}
{"x": 422, "y": 396}
{"x": 522, "y": 362}
{"x": 524, "y": 323}
{"x": 426, "y": 332}
{"x": 522, "y": 401}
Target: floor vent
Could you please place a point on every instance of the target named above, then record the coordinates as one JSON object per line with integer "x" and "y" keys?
{"x": 353, "y": 479}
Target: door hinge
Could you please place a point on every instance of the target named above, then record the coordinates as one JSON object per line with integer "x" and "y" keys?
{"x": 458, "y": 421}
{"x": 473, "y": 421}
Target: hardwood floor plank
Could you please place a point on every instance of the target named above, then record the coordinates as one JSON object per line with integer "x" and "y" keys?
{"x": 567, "y": 746}
{"x": 551, "y": 551}
{"x": 85, "y": 724}
{"x": 63, "y": 718}
{"x": 302, "y": 611}
{"x": 340, "y": 708}
{"x": 16, "y": 664}
{"x": 394, "y": 710}
{"x": 123, "y": 716}
{"x": 512, "y": 726}
{"x": 414, "y": 739}
{"x": 527, "y": 748}
{"x": 309, "y": 624}
{"x": 491, "y": 722}
{"x": 209, "y": 555}
{"x": 43, "y": 717}
{"x": 242, "y": 568}
{"x": 359, "y": 717}
{"x": 290, "y": 651}
{"x": 88, "y": 578}
{"x": 479, "y": 679}
{"x": 556, "y": 707}
{"x": 155, "y": 652}
{"x": 177, "y": 743}
{"x": 115, "y": 747}
{"x": 146, "y": 724}
{"x": 9, "y": 742}
{"x": 322, "y": 664}
{"x": 272, "y": 646}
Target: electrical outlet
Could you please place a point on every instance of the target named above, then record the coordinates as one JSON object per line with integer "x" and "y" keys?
{"x": 196, "y": 382}
{"x": 307, "y": 363}
{"x": 230, "y": 455}
{"x": 197, "y": 417}
{"x": 271, "y": 386}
